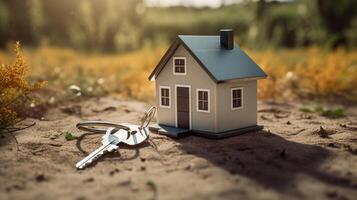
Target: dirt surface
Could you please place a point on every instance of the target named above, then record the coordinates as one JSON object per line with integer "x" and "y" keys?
{"x": 292, "y": 158}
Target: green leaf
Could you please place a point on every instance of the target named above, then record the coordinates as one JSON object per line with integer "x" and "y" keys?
{"x": 306, "y": 109}
{"x": 334, "y": 113}
{"x": 70, "y": 136}
{"x": 318, "y": 108}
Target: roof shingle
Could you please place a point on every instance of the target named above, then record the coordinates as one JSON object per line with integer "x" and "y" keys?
{"x": 221, "y": 64}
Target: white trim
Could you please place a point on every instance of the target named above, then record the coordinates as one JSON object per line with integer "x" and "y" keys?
{"x": 242, "y": 79}
{"x": 215, "y": 107}
{"x": 164, "y": 87}
{"x": 242, "y": 98}
{"x": 173, "y": 66}
{"x": 189, "y": 94}
{"x": 208, "y": 100}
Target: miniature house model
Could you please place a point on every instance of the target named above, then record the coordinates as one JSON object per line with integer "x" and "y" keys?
{"x": 206, "y": 85}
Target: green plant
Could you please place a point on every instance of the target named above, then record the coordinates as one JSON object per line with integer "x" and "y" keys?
{"x": 153, "y": 187}
{"x": 15, "y": 90}
{"x": 69, "y": 136}
{"x": 334, "y": 112}
{"x": 305, "y": 109}
{"x": 324, "y": 111}
{"x": 318, "y": 108}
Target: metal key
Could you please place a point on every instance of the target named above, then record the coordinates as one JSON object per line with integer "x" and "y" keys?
{"x": 137, "y": 134}
{"x": 127, "y": 133}
{"x": 133, "y": 136}
{"x": 109, "y": 144}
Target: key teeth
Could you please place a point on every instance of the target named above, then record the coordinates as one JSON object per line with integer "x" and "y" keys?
{"x": 98, "y": 155}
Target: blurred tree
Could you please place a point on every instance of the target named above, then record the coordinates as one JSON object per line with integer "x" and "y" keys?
{"x": 124, "y": 25}
{"x": 3, "y": 24}
{"x": 60, "y": 18}
{"x": 260, "y": 9}
{"x": 37, "y": 18}
{"x": 278, "y": 23}
{"x": 18, "y": 24}
{"x": 90, "y": 24}
{"x": 337, "y": 17}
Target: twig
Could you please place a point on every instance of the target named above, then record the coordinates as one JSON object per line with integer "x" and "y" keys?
{"x": 301, "y": 130}
{"x": 351, "y": 128}
{"x": 7, "y": 126}
{"x": 17, "y": 143}
{"x": 19, "y": 129}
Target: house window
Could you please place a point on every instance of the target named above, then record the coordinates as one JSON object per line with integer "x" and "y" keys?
{"x": 202, "y": 100}
{"x": 237, "y": 98}
{"x": 180, "y": 66}
{"x": 165, "y": 97}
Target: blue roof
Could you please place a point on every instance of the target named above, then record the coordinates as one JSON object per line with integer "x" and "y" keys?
{"x": 221, "y": 64}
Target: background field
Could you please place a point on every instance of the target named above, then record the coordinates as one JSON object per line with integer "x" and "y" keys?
{"x": 109, "y": 47}
{"x": 306, "y": 73}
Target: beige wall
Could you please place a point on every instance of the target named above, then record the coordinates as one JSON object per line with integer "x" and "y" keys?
{"x": 196, "y": 77}
{"x": 221, "y": 117}
{"x": 228, "y": 119}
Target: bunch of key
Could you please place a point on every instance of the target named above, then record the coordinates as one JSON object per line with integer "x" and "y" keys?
{"x": 116, "y": 133}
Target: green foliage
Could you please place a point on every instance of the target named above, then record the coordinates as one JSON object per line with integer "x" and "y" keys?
{"x": 324, "y": 111}
{"x": 318, "y": 108}
{"x": 305, "y": 109}
{"x": 153, "y": 187}
{"x": 15, "y": 90}
{"x": 69, "y": 136}
{"x": 334, "y": 112}
{"x": 124, "y": 25}
{"x": 337, "y": 17}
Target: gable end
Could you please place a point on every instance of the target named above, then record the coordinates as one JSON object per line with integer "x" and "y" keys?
{"x": 169, "y": 53}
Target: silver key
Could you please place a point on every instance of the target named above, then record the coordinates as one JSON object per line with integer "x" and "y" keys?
{"x": 133, "y": 136}
{"x": 109, "y": 143}
{"x": 137, "y": 134}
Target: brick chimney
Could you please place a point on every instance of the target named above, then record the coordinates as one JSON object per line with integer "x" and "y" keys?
{"x": 226, "y": 39}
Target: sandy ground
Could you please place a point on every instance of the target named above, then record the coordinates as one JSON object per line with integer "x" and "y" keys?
{"x": 289, "y": 159}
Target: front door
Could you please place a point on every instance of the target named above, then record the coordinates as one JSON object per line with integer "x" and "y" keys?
{"x": 183, "y": 107}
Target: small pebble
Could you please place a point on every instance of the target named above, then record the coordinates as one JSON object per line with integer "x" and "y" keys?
{"x": 189, "y": 167}
{"x": 88, "y": 180}
{"x": 111, "y": 173}
{"x": 81, "y": 198}
{"x": 40, "y": 178}
{"x": 125, "y": 182}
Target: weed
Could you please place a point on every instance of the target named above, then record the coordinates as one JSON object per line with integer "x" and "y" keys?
{"x": 305, "y": 109}
{"x": 153, "y": 187}
{"x": 324, "y": 111}
{"x": 334, "y": 113}
{"x": 15, "y": 90}
{"x": 69, "y": 136}
{"x": 318, "y": 108}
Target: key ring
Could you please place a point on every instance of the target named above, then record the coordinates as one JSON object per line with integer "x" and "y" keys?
{"x": 88, "y": 126}
{"x": 149, "y": 115}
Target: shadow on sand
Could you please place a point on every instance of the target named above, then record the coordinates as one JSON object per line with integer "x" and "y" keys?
{"x": 264, "y": 157}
